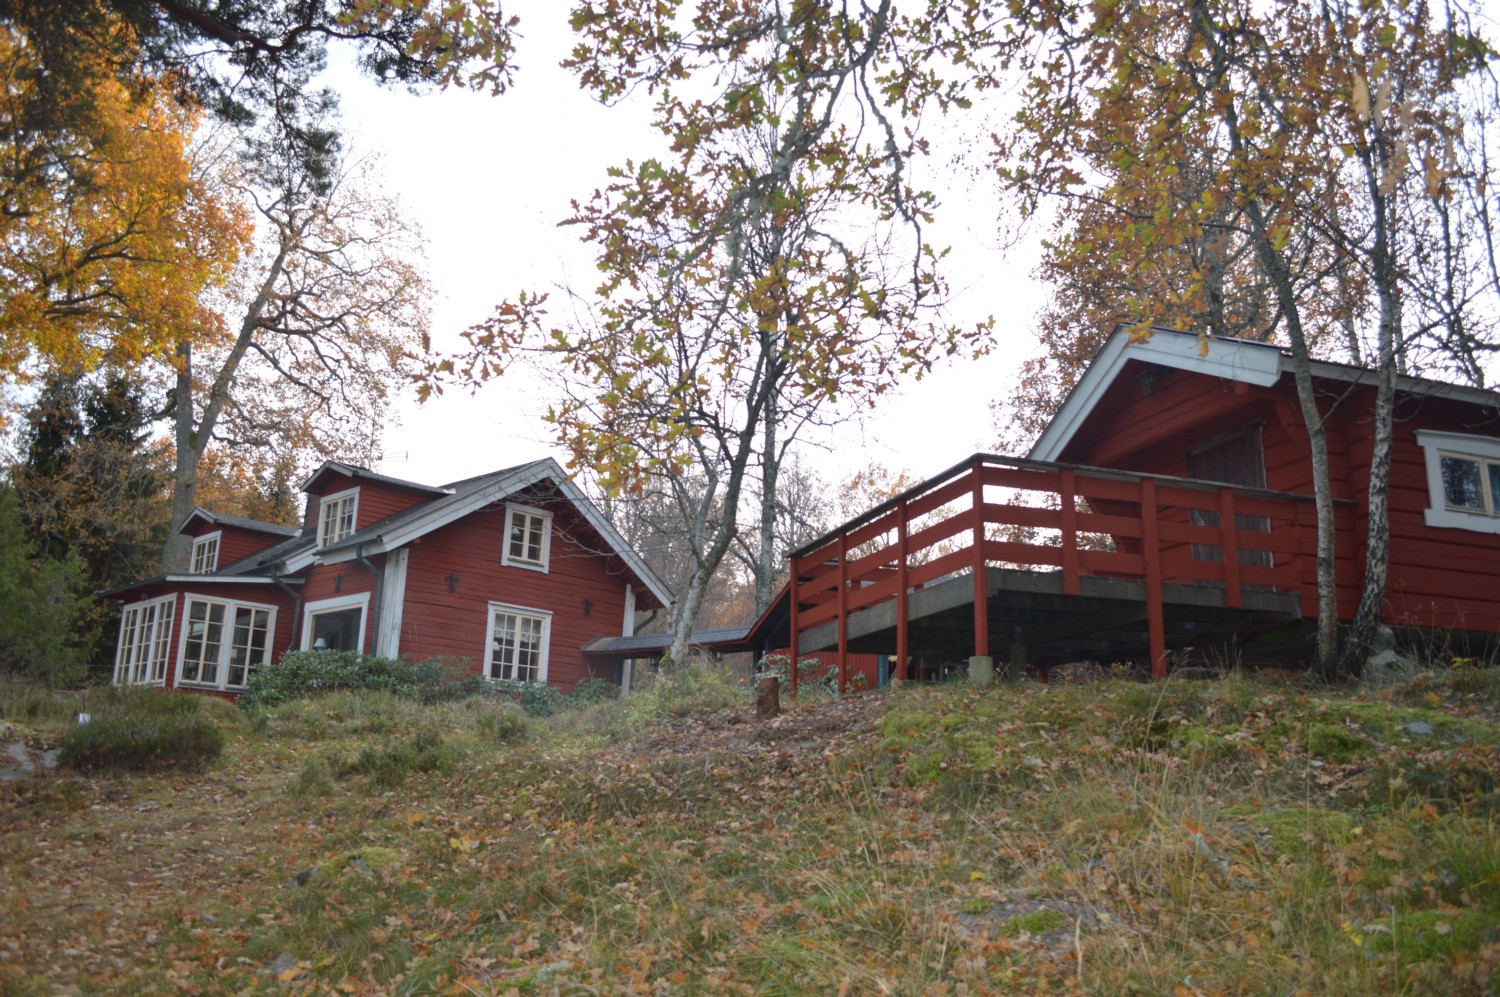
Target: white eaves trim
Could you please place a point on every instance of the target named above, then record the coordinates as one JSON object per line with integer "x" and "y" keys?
{"x": 1252, "y": 363}
{"x": 501, "y": 488}
{"x": 229, "y": 579}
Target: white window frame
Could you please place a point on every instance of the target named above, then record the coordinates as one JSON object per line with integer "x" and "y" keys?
{"x": 311, "y": 609}
{"x": 326, "y": 503}
{"x": 206, "y": 553}
{"x": 1483, "y": 450}
{"x": 526, "y": 612}
{"x": 143, "y": 659}
{"x": 226, "y": 645}
{"x": 511, "y": 512}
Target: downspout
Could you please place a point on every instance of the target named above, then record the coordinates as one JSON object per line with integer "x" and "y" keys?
{"x": 296, "y": 596}
{"x": 359, "y": 556}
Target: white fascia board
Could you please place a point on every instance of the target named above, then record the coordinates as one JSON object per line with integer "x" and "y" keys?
{"x": 229, "y": 579}
{"x": 611, "y": 536}
{"x": 530, "y": 474}
{"x": 422, "y": 525}
{"x": 1251, "y": 363}
{"x": 1406, "y": 384}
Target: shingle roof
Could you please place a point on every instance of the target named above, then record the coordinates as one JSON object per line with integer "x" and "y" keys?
{"x": 224, "y": 519}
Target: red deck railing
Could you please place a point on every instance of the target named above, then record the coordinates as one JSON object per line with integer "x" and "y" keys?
{"x": 1082, "y": 521}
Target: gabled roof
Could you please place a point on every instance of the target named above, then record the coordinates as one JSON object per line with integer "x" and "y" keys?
{"x": 1261, "y": 364}
{"x": 449, "y": 503}
{"x": 461, "y": 498}
{"x": 255, "y": 525}
{"x": 364, "y": 474}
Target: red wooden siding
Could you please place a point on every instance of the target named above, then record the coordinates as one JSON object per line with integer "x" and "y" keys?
{"x": 377, "y": 500}
{"x": 1439, "y": 577}
{"x": 236, "y": 544}
{"x": 436, "y": 621}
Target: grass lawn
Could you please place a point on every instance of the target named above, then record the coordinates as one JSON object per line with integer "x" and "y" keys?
{"x": 1203, "y": 837}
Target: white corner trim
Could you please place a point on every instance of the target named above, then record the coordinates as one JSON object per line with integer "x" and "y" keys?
{"x": 392, "y": 604}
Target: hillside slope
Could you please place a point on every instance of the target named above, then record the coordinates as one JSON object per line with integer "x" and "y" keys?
{"x": 1186, "y": 837}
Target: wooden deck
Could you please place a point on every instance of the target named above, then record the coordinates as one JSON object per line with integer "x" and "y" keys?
{"x": 1046, "y": 563}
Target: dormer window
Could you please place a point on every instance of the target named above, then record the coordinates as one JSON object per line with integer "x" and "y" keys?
{"x": 528, "y": 536}
{"x": 336, "y": 516}
{"x": 206, "y": 554}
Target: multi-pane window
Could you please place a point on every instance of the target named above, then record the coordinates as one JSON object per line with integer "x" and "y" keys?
{"x": 1463, "y": 480}
{"x": 205, "y": 554}
{"x": 336, "y": 517}
{"x": 1470, "y": 484}
{"x": 527, "y": 535}
{"x": 223, "y": 642}
{"x": 518, "y": 645}
{"x": 145, "y": 637}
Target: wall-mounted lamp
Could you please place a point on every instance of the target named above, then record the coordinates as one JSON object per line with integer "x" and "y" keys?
{"x": 588, "y": 606}
{"x": 338, "y": 583}
{"x": 1151, "y": 380}
{"x": 452, "y": 584}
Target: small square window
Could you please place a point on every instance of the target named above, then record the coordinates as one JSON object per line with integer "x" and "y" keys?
{"x": 527, "y": 537}
{"x": 336, "y": 516}
{"x": 205, "y": 554}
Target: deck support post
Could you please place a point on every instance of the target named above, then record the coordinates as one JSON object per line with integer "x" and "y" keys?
{"x": 791, "y": 587}
{"x": 981, "y": 578}
{"x": 1230, "y": 545}
{"x": 1069, "y": 490}
{"x": 903, "y": 650}
{"x": 1151, "y": 549}
{"x": 843, "y": 612}
{"x": 1017, "y": 666}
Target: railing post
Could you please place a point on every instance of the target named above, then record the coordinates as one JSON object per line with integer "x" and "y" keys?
{"x": 1067, "y": 492}
{"x": 1151, "y": 549}
{"x": 843, "y": 610}
{"x": 1229, "y": 542}
{"x": 792, "y": 569}
{"x": 981, "y": 579}
{"x": 902, "y": 648}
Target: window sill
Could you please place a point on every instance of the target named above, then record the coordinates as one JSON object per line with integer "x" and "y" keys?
{"x": 525, "y": 566}
{"x": 1474, "y": 522}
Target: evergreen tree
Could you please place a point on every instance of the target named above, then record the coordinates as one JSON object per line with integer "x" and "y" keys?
{"x": 45, "y": 609}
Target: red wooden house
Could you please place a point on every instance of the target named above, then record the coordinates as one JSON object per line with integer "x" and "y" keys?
{"x": 1169, "y": 505}
{"x": 514, "y": 571}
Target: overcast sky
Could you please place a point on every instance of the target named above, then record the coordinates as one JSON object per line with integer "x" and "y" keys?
{"x": 489, "y": 178}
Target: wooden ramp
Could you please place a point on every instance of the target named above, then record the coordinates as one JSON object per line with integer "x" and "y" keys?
{"x": 1018, "y": 559}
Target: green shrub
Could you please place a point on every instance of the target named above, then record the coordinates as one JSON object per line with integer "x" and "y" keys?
{"x": 389, "y": 764}
{"x": 146, "y": 730}
{"x": 44, "y": 605}
{"x": 696, "y": 687}
{"x": 591, "y": 691}
{"x": 307, "y": 673}
{"x": 503, "y": 722}
{"x": 537, "y": 698}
